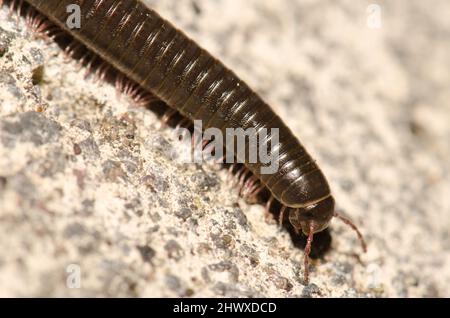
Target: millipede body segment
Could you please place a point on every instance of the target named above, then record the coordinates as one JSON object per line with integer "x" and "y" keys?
{"x": 163, "y": 61}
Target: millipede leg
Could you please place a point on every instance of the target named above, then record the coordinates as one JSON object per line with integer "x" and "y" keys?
{"x": 306, "y": 253}
{"x": 82, "y": 61}
{"x": 238, "y": 175}
{"x": 241, "y": 182}
{"x": 281, "y": 216}
{"x": 252, "y": 188}
{"x": 126, "y": 87}
{"x": 19, "y": 9}
{"x": 181, "y": 123}
{"x": 118, "y": 83}
{"x": 221, "y": 159}
{"x": 267, "y": 214}
{"x": 166, "y": 117}
{"x": 134, "y": 92}
{"x": 71, "y": 49}
{"x": 145, "y": 99}
{"x": 185, "y": 133}
{"x": 248, "y": 186}
{"x": 199, "y": 141}
{"x": 11, "y": 7}
{"x": 257, "y": 190}
{"x": 100, "y": 72}
{"x": 230, "y": 171}
{"x": 205, "y": 143}
{"x": 53, "y": 32}
{"x": 89, "y": 67}
{"x": 210, "y": 147}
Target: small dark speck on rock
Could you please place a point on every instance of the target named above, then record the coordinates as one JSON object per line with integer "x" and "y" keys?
{"x": 3, "y": 181}
{"x": 155, "y": 184}
{"x": 173, "y": 282}
{"x": 134, "y": 205}
{"x": 204, "y": 181}
{"x": 5, "y": 40}
{"x": 153, "y": 229}
{"x": 155, "y": 217}
{"x": 416, "y": 128}
{"x": 310, "y": 290}
{"x": 230, "y": 290}
{"x": 113, "y": 170}
{"x": 53, "y": 164}
{"x": 338, "y": 279}
{"x": 250, "y": 253}
{"x": 3, "y": 49}
{"x": 226, "y": 266}
{"x": 86, "y": 248}
{"x": 89, "y": 147}
{"x": 76, "y": 149}
{"x": 80, "y": 176}
{"x": 23, "y": 185}
{"x": 88, "y": 206}
{"x": 147, "y": 253}
{"x": 37, "y": 75}
{"x": 345, "y": 267}
{"x": 281, "y": 282}
{"x": 174, "y": 250}
{"x": 223, "y": 241}
{"x": 203, "y": 248}
{"x": 189, "y": 292}
{"x": 205, "y": 275}
{"x": 347, "y": 185}
{"x": 131, "y": 165}
{"x": 37, "y": 56}
{"x": 82, "y": 124}
{"x": 161, "y": 145}
{"x": 173, "y": 231}
{"x": 74, "y": 230}
{"x": 196, "y": 8}
{"x": 193, "y": 224}
{"x": 240, "y": 217}
{"x": 183, "y": 213}
{"x": 147, "y": 181}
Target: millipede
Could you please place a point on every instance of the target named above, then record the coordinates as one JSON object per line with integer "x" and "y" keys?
{"x": 151, "y": 60}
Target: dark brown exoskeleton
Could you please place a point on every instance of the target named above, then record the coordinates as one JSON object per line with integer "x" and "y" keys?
{"x": 162, "y": 60}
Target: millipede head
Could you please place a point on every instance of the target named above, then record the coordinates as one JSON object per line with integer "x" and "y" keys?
{"x": 320, "y": 213}
{"x": 315, "y": 218}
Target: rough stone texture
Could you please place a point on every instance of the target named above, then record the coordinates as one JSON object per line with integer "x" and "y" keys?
{"x": 88, "y": 179}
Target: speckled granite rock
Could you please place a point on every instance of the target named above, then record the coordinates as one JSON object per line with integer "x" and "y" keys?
{"x": 87, "y": 181}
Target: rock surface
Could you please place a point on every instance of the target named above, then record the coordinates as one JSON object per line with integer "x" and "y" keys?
{"x": 88, "y": 184}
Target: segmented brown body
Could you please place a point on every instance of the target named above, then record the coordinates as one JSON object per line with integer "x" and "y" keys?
{"x": 163, "y": 61}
